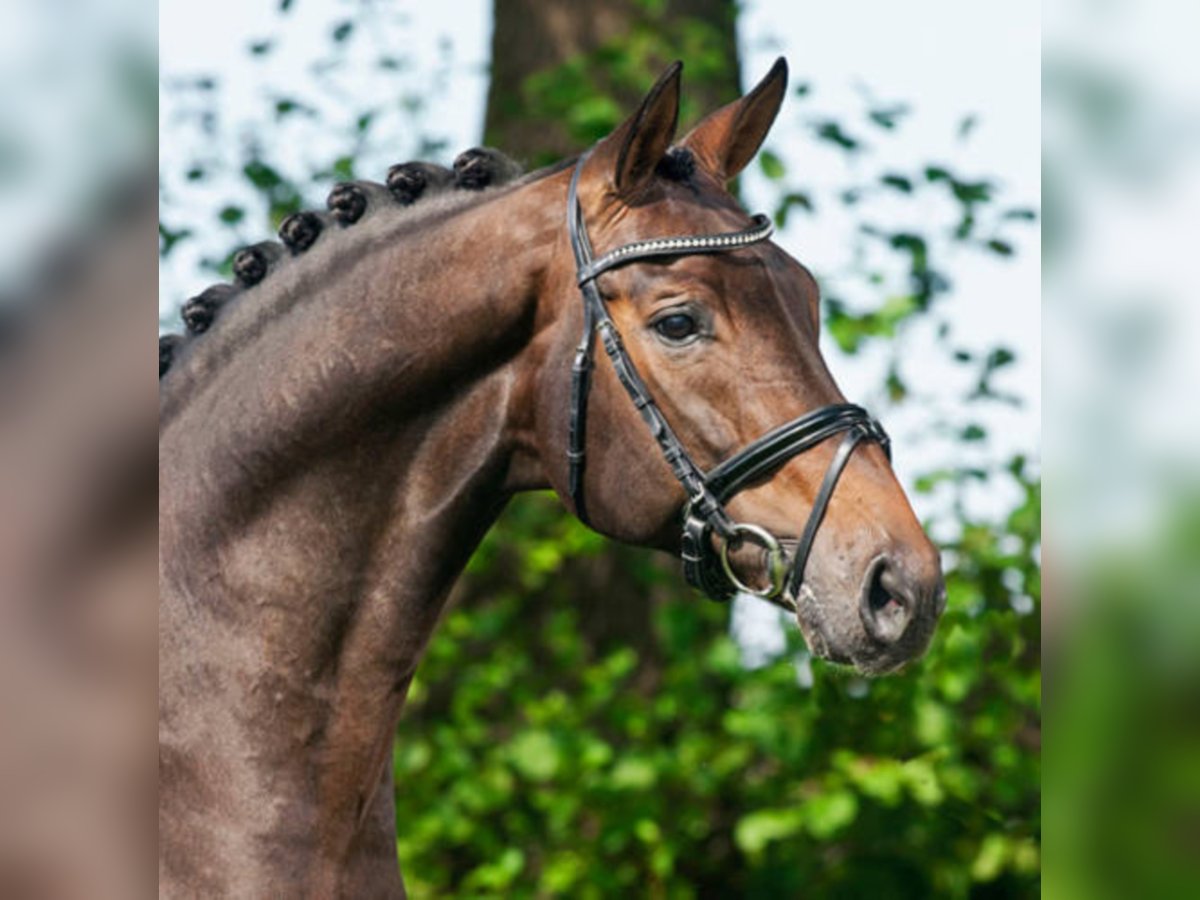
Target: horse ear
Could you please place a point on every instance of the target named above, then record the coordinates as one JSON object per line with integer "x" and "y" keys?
{"x": 726, "y": 140}
{"x": 627, "y": 157}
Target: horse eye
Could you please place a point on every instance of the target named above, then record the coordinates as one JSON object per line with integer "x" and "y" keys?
{"x": 676, "y": 326}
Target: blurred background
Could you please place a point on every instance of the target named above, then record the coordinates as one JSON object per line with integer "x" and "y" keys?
{"x": 585, "y": 725}
{"x": 78, "y": 485}
{"x": 1122, "y": 325}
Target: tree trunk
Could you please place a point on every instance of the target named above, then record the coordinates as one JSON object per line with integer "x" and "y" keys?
{"x": 564, "y": 73}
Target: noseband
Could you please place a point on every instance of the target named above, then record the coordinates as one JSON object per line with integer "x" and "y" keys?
{"x": 704, "y": 513}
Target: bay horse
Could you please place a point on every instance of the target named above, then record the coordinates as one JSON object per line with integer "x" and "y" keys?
{"x": 345, "y": 422}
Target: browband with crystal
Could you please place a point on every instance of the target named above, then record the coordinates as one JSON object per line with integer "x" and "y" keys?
{"x": 760, "y": 229}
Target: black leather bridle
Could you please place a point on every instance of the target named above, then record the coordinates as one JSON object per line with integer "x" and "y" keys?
{"x": 704, "y": 513}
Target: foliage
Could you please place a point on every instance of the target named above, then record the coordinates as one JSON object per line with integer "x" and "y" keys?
{"x": 590, "y": 93}
{"x": 540, "y": 757}
{"x": 532, "y": 764}
{"x": 1124, "y": 792}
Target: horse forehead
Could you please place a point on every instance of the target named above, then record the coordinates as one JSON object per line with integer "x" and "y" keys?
{"x": 762, "y": 271}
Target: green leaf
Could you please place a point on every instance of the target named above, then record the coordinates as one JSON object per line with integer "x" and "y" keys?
{"x": 633, "y": 773}
{"x": 167, "y": 239}
{"x": 914, "y": 245}
{"x": 880, "y": 779}
{"x": 828, "y": 813}
{"x": 999, "y": 358}
{"x": 889, "y": 117}
{"x": 231, "y": 215}
{"x": 756, "y": 830}
{"x": 535, "y": 755}
{"x": 972, "y": 432}
{"x": 1023, "y": 214}
{"x": 895, "y": 310}
{"x": 594, "y": 117}
{"x": 343, "y": 168}
{"x": 792, "y": 199}
{"x": 898, "y": 182}
{"x": 923, "y": 782}
{"x": 497, "y": 875}
{"x": 990, "y": 859}
{"x": 971, "y": 192}
{"x": 832, "y": 132}
{"x": 772, "y": 166}
{"x": 261, "y": 175}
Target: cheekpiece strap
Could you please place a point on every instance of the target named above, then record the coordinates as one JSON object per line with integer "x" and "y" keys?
{"x": 597, "y": 320}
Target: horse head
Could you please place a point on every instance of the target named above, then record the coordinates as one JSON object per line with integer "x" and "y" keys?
{"x": 711, "y": 335}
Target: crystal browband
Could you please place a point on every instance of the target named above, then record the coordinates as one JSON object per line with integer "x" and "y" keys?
{"x": 760, "y": 230}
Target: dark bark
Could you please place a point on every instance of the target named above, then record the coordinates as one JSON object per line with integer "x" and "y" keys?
{"x": 547, "y": 57}
{"x": 620, "y": 45}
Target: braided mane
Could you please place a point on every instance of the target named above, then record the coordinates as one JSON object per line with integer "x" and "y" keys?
{"x": 350, "y": 202}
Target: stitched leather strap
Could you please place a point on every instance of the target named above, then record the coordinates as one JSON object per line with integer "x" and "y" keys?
{"x": 776, "y": 447}
{"x": 820, "y": 505}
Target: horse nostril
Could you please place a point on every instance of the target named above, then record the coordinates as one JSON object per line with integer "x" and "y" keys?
{"x": 886, "y": 607}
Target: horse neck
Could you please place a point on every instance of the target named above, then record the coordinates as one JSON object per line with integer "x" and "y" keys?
{"x": 367, "y": 368}
{"x": 319, "y": 494}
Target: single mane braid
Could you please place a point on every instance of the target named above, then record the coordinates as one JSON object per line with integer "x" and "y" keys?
{"x": 251, "y": 264}
{"x": 348, "y": 203}
{"x": 299, "y": 231}
{"x": 167, "y": 344}
{"x": 409, "y": 181}
{"x": 199, "y": 312}
{"x": 482, "y": 167}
